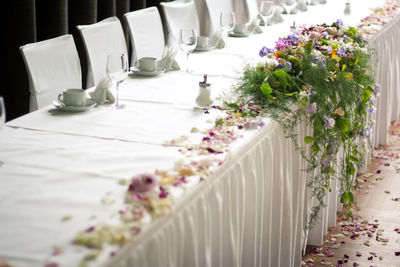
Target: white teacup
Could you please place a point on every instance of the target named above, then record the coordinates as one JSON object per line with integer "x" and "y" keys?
{"x": 202, "y": 41}
{"x": 73, "y": 97}
{"x": 148, "y": 64}
{"x": 240, "y": 28}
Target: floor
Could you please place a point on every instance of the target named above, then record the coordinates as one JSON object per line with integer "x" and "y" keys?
{"x": 372, "y": 237}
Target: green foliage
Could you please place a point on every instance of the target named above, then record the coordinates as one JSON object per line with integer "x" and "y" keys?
{"x": 338, "y": 80}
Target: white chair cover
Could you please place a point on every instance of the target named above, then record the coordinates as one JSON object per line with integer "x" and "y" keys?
{"x": 252, "y": 9}
{"x": 180, "y": 14}
{"x": 215, "y": 7}
{"x": 147, "y": 34}
{"x": 101, "y": 39}
{"x": 52, "y": 66}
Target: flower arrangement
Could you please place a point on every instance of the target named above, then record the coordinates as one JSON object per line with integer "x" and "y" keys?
{"x": 321, "y": 77}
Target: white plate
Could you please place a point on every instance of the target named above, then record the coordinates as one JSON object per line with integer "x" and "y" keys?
{"x": 234, "y": 34}
{"x": 208, "y": 48}
{"x": 135, "y": 71}
{"x": 60, "y": 106}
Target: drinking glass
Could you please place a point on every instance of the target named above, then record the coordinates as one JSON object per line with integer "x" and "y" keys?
{"x": 227, "y": 23}
{"x": 2, "y": 112}
{"x": 266, "y": 11}
{"x": 187, "y": 42}
{"x": 289, "y": 5}
{"x": 117, "y": 71}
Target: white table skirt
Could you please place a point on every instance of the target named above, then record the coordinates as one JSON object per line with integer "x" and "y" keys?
{"x": 250, "y": 212}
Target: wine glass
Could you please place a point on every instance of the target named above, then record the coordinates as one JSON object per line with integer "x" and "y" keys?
{"x": 289, "y": 6}
{"x": 266, "y": 10}
{"x": 2, "y": 112}
{"x": 187, "y": 42}
{"x": 117, "y": 71}
{"x": 227, "y": 23}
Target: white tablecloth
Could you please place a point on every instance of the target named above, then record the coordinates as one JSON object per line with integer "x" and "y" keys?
{"x": 250, "y": 212}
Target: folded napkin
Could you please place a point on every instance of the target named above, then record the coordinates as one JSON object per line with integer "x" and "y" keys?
{"x": 218, "y": 39}
{"x": 102, "y": 92}
{"x": 168, "y": 61}
{"x": 253, "y": 26}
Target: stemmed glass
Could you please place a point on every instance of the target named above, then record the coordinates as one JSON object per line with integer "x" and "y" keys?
{"x": 289, "y": 6}
{"x": 266, "y": 11}
{"x": 117, "y": 71}
{"x": 187, "y": 42}
{"x": 2, "y": 112}
{"x": 227, "y": 23}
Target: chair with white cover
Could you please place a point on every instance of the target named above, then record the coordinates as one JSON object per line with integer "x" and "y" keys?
{"x": 101, "y": 39}
{"x": 180, "y": 14}
{"x": 252, "y": 9}
{"x": 215, "y": 7}
{"x": 147, "y": 33}
{"x": 52, "y": 65}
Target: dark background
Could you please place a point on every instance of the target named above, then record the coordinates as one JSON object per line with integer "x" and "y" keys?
{"x": 38, "y": 20}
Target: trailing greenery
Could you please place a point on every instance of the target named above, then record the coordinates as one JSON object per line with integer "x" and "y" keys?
{"x": 318, "y": 77}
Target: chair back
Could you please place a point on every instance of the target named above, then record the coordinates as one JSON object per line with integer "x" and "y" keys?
{"x": 147, "y": 33}
{"x": 215, "y": 7}
{"x": 252, "y": 9}
{"x": 101, "y": 39}
{"x": 180, "y": 14}
{"x": 52, "y": 65}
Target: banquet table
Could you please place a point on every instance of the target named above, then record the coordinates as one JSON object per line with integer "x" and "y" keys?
{"x": 251, "y": 210}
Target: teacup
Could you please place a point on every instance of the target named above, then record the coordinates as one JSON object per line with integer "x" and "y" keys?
{"x": 240, "y": 28}
{"x": 73, "y": 97}
{"x": 147, "y": 64}
{"x": 202, "y": 41}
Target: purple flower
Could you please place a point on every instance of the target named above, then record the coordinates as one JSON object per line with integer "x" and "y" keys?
{"x": 377, "y": 89}
{"x": 325, "y": 34}
{"x": 289, "y": 65}
{"x": 339, "y": 23}
{"x": 316, "y": 59}
{"x": 332, "y": 149}
{"x": 329, "y": 123}
{"x": 265, "y": 51}
{"x": 341, "y": 52}
{"x": 292, "y": 39}
{"x": 325, "y": 162}
{"x": 371, "y": 110}
{"x": 311, "y": 109}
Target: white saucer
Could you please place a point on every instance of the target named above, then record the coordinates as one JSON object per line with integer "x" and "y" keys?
{"x": 235, "y": 34}
{"x": 60, "y": 106}
{"x": 136, "y": 71}
{"x": 201, "y": 49}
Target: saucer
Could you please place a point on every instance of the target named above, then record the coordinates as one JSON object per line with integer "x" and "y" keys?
{"x": 201, "y": 48}
{"x": 136, "y": 71}
{"x": 235, "y": 34}
{"x": 60, "y": 106}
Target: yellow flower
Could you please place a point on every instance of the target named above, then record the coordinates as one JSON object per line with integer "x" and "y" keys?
{"x": 186, "y": 171}
{"x": 167, "y": 180}
{"x": 349, "y": 76}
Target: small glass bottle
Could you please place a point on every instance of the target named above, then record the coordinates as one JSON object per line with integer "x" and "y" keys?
{"x": 204, "y": 97}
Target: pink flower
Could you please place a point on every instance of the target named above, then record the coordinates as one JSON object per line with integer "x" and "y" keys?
{"x": 141, "y": 183}
{"x": 314, "y": 36}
